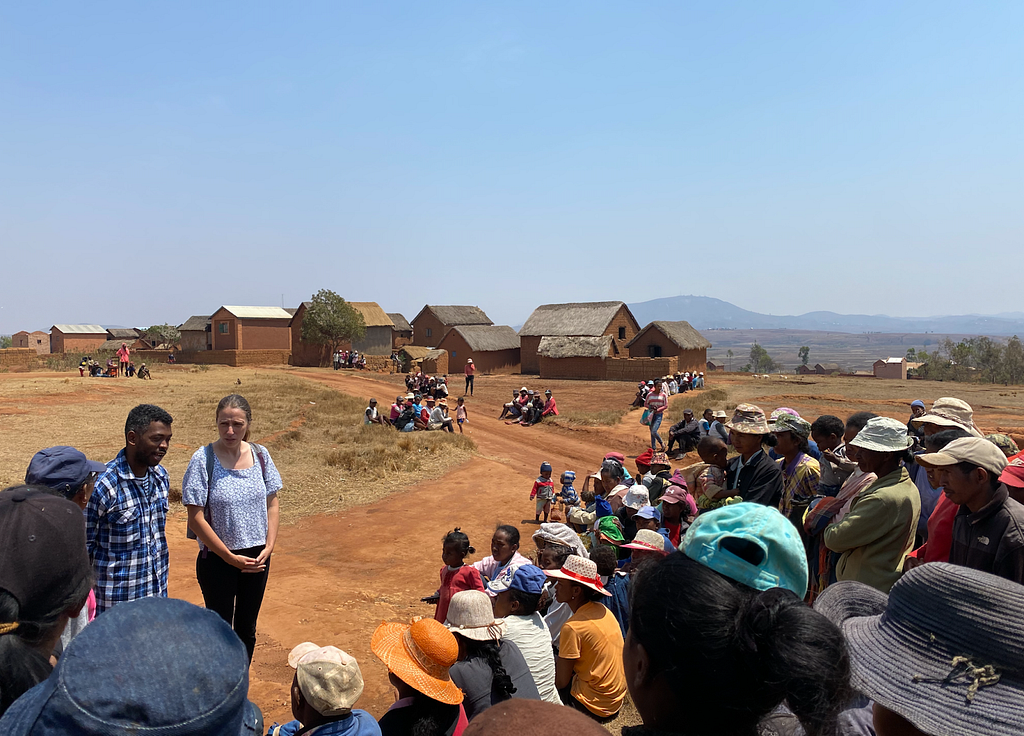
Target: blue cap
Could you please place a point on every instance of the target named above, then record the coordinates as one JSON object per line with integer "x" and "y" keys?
{"x": 918, "y": 402}
{"x": 61, "y": 468}
{"x": 545, "y": 467}
{"x": 783, "y": 563}
{"x": 648, "y": 512}
{"x": 527, "y": 578}
{"x": 116, "y": 678}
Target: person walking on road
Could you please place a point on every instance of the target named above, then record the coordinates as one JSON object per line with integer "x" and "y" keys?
{"x": 470, "y": 370}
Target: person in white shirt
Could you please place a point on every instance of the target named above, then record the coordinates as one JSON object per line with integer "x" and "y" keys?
{"x": 515, "y": 594}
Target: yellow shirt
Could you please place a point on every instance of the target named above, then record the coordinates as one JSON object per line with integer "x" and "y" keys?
{"x": 592, "y": 637}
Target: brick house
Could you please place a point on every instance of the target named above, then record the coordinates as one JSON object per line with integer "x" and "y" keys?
{"x": 76, "y": 338}
{"x": 677, "y": 340}
{"x": 890, "y": 368}
{"x": 433, "y": 322}
{"x": 429, "y": 360}
{"x": 827, "y": 369}
{"x": 251, "y": 328}
{"x": 402, "y": 333}
{"x": 196, "y": 334}
{"x": 38, "y": 341}
{"x": 379, "y": 329}
{"x": 588, "y": 319}
{"x": 493, "y": 348}
{"x": 575, "y": 357}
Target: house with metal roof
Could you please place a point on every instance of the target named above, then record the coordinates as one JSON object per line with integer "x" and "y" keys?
{"x": 76, "y": 338}
{"x": 251, "y": 328}
{"x": 677, "y": 340}
{"x": 586, "y": 319}
{"x": 493, "y": 348}
{"x": 433, "y": 322}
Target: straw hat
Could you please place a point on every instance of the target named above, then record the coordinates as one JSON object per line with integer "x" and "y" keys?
{"x": 748, "y": 419}
{"x": 949, "y": 412}
{"x": 470, "y": 615}
{"x": 648, "y": 540}
{"x": 883, "y": 434}
{"x": 947, "y": 654}
{"x": 420, "y": 654}
{"x": 848, "y": 599}
{"x": 581, "y": 571}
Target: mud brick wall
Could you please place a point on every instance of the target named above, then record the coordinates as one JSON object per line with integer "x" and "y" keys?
{"x": 638, "y": 369}
{"x": 24, "y": 358}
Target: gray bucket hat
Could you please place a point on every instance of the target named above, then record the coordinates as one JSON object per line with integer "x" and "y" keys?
{"x": 947, "y": 654}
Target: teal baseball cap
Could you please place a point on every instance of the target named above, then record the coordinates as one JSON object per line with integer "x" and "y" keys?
{"x": 751, "y": 544}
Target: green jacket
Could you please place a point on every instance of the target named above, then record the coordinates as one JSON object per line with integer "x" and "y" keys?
{"x": 878, "y": 532}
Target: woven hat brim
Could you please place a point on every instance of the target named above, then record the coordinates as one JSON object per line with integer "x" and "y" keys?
{"x": 885, "y": 666}
{"x": 387, "y": 645}
{"x": 562, "y": 576}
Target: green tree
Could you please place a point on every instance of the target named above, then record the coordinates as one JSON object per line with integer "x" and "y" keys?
{"x": 911, "y": 355}
{"x": 1012, "y": 368}
{"x": 760, "y": 360}
{"x": 5, "y": 341}
{"x": 805, "y": 354}
{"x": 163, "y": 334}
{"x": 987, "y": 355}
{"x": 729, "y": 353}
{"x": 961, "y": 358}
{"x": 331, "y": 321}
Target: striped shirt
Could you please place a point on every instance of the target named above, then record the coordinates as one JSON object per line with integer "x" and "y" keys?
{"x": 124, "y": 533}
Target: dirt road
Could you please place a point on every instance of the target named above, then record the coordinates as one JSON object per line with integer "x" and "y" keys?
{"x": 334, "y": 578}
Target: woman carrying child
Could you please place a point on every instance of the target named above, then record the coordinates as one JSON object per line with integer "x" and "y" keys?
{"x": 230, "y": 490}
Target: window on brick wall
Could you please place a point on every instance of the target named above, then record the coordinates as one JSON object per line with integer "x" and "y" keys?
{"x": 622, "y": 333}
{"x": 222, "y": 328}
{"x": 430, "y": 332}
{"x": 654, "y": 351}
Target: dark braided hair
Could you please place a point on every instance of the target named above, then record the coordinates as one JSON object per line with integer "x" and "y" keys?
{"x": 457, "y": 536}
{"x": 501, "y": 684}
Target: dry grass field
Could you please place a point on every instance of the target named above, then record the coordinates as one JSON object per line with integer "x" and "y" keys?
{"x": 329, "y": 459}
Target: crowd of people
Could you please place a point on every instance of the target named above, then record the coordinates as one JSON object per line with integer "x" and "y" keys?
{"x": 348, "y": 359}
{"x": 803, "y": 593}
{"x": 529, "y": 407}
{"x": 112, "y": 369}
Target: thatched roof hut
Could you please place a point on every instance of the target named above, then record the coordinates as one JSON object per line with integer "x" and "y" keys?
{"x": 583, "y": 319}
{"x": 677, "y": 340}
{"x": 493, "y": 348}
{"x": 400, "y": 322}
{"x": 433, "y": 322}
{"x": 484, "y": 338}
{"x": 681, "y": 334}
{"x": 576, "y": 347}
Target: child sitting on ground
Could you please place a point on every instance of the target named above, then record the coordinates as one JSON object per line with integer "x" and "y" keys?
{"x": 456, "y": 575}
{"x": 326, "y": 685}
{"x": 712, "y": 489}
{"x": 543, "y": 491}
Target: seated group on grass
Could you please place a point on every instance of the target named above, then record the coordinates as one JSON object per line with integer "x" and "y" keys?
{"x": 413, "y": 412}
{"x": 529, "y": 407}
{"x": 649, "y": 593}
{"x": 420, "y": 383}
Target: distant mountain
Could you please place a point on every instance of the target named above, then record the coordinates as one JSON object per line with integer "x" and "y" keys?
{"x": 705, "y": 313}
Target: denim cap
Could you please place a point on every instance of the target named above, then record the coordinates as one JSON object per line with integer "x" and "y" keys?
{"x": 527, "y": 578}
{"x": 649, "y": 512}
{"x": 751, "y": 544}
{"x": 158, "y": 666}
{"x": 61, "y": 468}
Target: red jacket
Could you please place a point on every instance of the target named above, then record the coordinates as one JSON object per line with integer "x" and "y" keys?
{"x": 940, "y": 532}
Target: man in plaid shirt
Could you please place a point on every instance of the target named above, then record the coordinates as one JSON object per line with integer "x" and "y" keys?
{"x": 124, "y": 521}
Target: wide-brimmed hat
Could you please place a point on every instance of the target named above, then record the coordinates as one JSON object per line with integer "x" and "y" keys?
{"x": 561, "y": 534}
{"x": 748, "y": 419}
{"x": 711, "y": 538}
{"x": 636, "y": 497}
{"x": 850, "y": 599}
{"x": 470, "y": 615}
{"x": 972, "y": 450}
{"x": 579, "y": 570}
{"x": 949, "y": 412}
{"x": 524, "y": 390}
{"x": 660, "y": 458}
{"x": 1004, "y": 442}
{"x": 790, "y": 423}
{"x": 648, "y": 540}
{"x": 947, "y": 654}
{"x": 720, "y": 414}
{"x": 329, "y": 678}
{"x": 420, "y": 654}
{"x": 883, "y": 434}
{"x": 410, "y": 397}
{"x": 1013, "y": 473}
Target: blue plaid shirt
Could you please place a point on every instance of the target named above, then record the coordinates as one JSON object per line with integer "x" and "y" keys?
{"x": 124, "y": 533}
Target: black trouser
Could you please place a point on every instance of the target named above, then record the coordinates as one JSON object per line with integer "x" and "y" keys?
{"x": 566, "y": 695}
{"x": 235, "y": 595}
{"x": 469, "y": 385}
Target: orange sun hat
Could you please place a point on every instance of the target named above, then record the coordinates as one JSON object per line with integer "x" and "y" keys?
{"x": 420, "y": 654}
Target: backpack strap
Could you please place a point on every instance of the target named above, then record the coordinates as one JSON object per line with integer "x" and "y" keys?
{"x": 258, "y": 452}
{"x": 209, "y": 471}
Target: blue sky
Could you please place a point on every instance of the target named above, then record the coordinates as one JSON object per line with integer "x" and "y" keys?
{"x": 159, "y": 160}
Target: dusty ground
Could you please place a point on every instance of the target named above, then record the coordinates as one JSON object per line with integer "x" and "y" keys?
{"x": 335, "y": 577}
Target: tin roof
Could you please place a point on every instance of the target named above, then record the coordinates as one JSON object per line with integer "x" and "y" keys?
{"x": 80, "y": 329}
{"x": 258, "y": 312}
